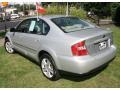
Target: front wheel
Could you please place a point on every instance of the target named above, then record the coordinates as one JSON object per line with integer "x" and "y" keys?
{"x": 8, "y": 47}
{"x": 48, "y": 67}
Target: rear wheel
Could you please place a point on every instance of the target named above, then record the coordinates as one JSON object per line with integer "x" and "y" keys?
{"x": 8, "y": 47}
{"x": 48, "y": 67}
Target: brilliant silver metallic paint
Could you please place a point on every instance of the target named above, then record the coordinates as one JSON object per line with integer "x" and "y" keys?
{"x": 58, "y": 45}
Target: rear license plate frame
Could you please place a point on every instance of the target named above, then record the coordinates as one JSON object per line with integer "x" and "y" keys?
{"x": 102, "y": 45}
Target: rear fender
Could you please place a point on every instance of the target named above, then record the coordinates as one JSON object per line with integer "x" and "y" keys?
{"x": 52, "y": 53}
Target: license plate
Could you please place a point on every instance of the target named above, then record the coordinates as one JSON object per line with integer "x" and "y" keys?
{"x": 102, "y": 45}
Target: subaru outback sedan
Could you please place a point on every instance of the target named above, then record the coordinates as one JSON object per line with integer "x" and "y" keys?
{"x": 61, "y": 43}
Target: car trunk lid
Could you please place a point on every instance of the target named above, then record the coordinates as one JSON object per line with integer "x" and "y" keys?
{"x": 96, "y": 39}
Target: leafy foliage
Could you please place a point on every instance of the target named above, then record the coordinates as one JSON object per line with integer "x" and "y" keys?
{"x": 115, "y": 13}
{"x": 59, "y": 8}
{"x": 24, "y": 7}
{"x": 55, "y": 10}
{"x": 78, "y": 12}
{"x": 116, "y": 16}
{"x": 100, "y": 9}
{"x": 2, "y": 34}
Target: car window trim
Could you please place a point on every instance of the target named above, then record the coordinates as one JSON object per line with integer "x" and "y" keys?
{"x": 58, "y": 25}
{"x": 63, "y": 29}
{"x": 43, "y": 21}
{"x": 19, "y": 25}
{"x": 36, "y": 20}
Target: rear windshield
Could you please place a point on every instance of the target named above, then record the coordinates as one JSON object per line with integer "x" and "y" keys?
{"x": 70, "y": 24}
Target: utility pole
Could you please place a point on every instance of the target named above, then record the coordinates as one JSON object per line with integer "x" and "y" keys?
{"x": 5, "y": 19}
{"x": 67, "y": 11}
{"x": 14, "y": 5}
{"x": 29, "y": 9}
{"x": 29, "y": 6}
{"x": 23, "y": 7}
{"x": 5, "y": 4}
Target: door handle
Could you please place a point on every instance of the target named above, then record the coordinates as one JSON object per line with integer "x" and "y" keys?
{"x": 37, "y": 40}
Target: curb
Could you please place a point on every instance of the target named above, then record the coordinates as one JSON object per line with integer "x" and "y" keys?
{"x": 2, "y": 30}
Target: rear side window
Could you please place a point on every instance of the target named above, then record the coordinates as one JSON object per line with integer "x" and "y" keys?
{"x": 35, "y": 27}
{"x": 46, "y": 28}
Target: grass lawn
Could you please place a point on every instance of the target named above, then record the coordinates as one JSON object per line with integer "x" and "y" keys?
{"x": 18, "y": 71}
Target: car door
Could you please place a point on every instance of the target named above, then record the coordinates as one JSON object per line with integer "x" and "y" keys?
{"x": 34, "y": 37}
{"x": 37, "y": 32}
{"x": 19, "y": 36}
{"x": 30, "y": 38}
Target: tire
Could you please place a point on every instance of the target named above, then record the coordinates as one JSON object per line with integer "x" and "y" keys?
{"x": 8, "y": 47}
{"x": 48, "y": 67}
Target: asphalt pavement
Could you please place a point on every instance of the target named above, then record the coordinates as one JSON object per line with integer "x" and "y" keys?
{"x": 9, "y": 24}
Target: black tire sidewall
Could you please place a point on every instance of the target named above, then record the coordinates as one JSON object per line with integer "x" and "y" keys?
{"x": 56, "y": 73}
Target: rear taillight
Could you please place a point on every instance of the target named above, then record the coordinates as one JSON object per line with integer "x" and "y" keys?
{"x": 79, "y": 49}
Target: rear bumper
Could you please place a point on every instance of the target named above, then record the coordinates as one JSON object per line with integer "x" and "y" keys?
{"x": 84, "y": 64}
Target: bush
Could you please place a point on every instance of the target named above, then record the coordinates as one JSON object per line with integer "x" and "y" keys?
{"x": 2, "y": 34}
{"x": 116, "y": 16}
{"x": 78, "y": 12}
{"x": 62, "y": 11}
{"x": 101, "y": 9}
{"x": 56, "y": 10}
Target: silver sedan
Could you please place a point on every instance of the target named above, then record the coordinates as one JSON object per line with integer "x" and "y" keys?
{"x": 61, "y": 43}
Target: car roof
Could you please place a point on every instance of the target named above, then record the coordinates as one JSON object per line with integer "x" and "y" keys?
{"x": 50, "y": 16}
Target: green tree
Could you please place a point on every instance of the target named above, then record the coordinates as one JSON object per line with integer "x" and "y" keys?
{"x": 116, "y": 16}
{"x": 113, "y": 8}
{"x": 32, "y": 7}
{"x": 100, "y": 10}
{"x": 18, "y": 7}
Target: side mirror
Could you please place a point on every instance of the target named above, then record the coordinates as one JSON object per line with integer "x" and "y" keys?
{"x": 12, "y": 29}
